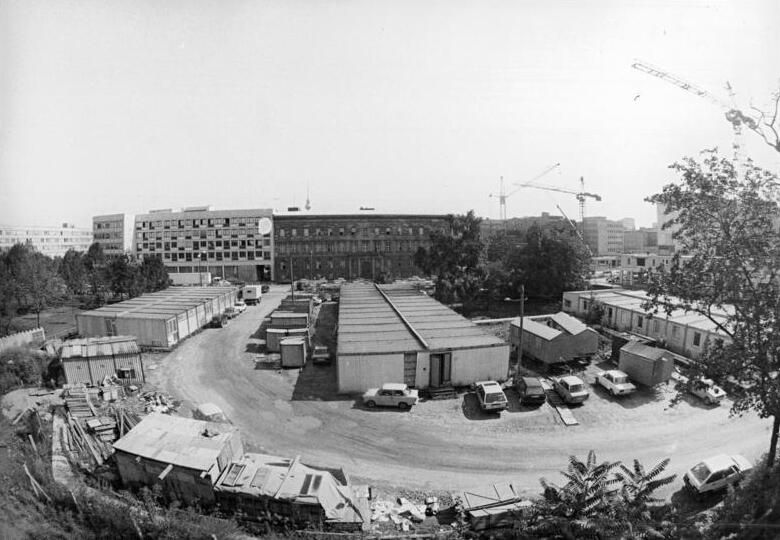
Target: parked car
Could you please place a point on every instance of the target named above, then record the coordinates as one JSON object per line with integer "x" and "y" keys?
{"x": 716, "y": 473}
{"x": 530, "y": 390}
{"x": 616, "y": 382}
{"x": 264, "y": 288}
{"x": 231, "y": 312}
{"x": 707, "y": 390}
{"x": 571, "y": 389}
{"x": 320, "y": 354}
{"x": 240, "y": 306}
{"x": 219, "y": 321}
{"x": 490, "y": 395}
{"x": 391, "y": 395}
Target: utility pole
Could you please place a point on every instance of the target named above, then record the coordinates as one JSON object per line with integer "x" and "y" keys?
{"x": 292, "y": 279}
{"x": 522, "y": 315}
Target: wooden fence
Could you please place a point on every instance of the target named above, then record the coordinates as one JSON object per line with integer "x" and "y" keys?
{"x": 34, "y": 337}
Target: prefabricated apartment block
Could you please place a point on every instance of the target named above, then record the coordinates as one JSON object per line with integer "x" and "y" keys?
{"x": 554, "y": 338}
{"x": 91, "y": 360}
{"x": 394, "y": 333}
{"x": 161, "y": 319}
{"x": 682, "y": 332}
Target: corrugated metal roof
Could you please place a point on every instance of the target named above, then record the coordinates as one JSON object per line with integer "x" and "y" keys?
{"x": 93, "y": 347}
{"x": 645, "y": 351}
{"x": 369, "y": 323}
{"x": 178, "y": 441}
{"x": 165, "y": 304}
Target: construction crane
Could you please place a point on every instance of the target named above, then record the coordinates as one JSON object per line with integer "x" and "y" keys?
{"x": 503, "y": 195}
{"x": 576, "y": 230}
{"x": 580, "y": 195}
{"x": 734, "y": 116}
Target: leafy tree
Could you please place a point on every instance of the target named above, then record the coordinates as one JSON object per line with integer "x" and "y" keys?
{"x": 30, "y": 281}
{"x": 751, "y": 511}
{"x": 581, "y": 507}
{"x": 728, "y": 263}
{"x": 95, "y": 266}
{"x": 154, "y": 274}
{"x": 454, "y": 257}
{"x": 73, "y": 271}
{"x": 124, "y": 277}
{"x": 636, "y": 503}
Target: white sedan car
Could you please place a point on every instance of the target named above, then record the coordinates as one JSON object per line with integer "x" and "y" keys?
{"x": 716, "y": 473}
{"x": 616, "y": 382}
{"x": 707, "y": 390}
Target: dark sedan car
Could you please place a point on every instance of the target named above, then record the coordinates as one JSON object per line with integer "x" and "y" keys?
{"x": 530, "y": 390}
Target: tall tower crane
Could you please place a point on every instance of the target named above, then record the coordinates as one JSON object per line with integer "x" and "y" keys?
{"x": 580, "y": 195}
{"x": 734, "y": 116}
{"x": 503, "y": 195}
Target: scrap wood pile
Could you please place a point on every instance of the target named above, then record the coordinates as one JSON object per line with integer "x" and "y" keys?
{"x": 87, "y": 449}
{"x": 158, "y": 402}
{"x": 404, "y": 514}
{"x": 78, "y": 402}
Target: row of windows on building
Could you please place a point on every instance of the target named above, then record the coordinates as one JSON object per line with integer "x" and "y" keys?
{"x": 242, "y": 255}
{"x": 197, "y": 223}
{"x": 203, "y": 245}
{"x": 109, "y": 225}
{"x": 351, "y": 231}
{"x": 357, "y": 246}
{"x": 306, "y": 264}
{"x": 209, "y": 234}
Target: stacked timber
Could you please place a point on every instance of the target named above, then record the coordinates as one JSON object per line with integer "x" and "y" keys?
{"x": 78, "y": 402}
{"x": 103, "y": 427}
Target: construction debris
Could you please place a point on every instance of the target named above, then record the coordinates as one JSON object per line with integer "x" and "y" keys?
{"x": 158, "y": 402}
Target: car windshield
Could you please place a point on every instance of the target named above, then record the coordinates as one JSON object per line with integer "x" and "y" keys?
{"x": 495, "y": 397}
{"x": 576, "y": 388}
{"x": 701, "y": 472}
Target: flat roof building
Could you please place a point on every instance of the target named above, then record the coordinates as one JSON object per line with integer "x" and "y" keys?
{"x": 51, "y": 241}
{"x": 393, "y": 333}
{"x": 160, "y": 319}
{"x": 350, "y": 246}
{"x": 230, "y": 244}
{"x": 114, "y": 233}
{"x": 683, "y": 332}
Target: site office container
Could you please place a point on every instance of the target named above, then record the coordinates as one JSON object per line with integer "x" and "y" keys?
{"x": 646, "y": 365}
{"x": 293, "y": 350}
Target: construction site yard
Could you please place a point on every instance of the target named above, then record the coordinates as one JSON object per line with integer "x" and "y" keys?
{"x": 444, "y": 445}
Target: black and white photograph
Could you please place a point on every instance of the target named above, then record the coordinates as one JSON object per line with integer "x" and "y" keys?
{"x": 389, "y": 269}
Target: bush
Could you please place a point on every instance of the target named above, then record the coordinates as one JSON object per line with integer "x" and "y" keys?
{"x": 20, "y": 366}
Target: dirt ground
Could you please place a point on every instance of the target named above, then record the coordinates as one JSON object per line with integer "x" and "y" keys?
{"x": 438, "y": 445}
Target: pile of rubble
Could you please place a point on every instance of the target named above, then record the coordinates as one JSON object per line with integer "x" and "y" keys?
{"x": 159, "y": 402}
{"x": 404, "y": 514}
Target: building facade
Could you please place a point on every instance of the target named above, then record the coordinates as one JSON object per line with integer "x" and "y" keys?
{"x": 603, "y": 236}
{"x": 640, "y": 241}
{"x": 231, "y": 244}
{"x": 51, "y": 241}
{"x": 114, "y": 233}
{"x": 350, "y": 245}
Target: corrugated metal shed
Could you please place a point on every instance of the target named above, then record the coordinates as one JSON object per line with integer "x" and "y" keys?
{"x": 183, "y": 442}
{"x": 162, "y": 304}
{"x": 397, "y": 318}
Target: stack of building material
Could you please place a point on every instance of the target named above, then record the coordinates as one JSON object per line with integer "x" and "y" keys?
{"x": 78, "y": 402}
{"x": 104, "y": 428}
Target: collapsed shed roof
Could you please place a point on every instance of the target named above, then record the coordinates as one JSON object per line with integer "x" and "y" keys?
{"x": 549, "y": 327}
{"x": 290, "y": 480}
{"x": 174, "y": 440}
{"x": 377, "y": 319}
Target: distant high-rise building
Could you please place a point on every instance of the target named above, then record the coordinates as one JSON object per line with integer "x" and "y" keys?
{"x": 603, "y": 236}
{"x": 51, "y": 241}
{"x": 629, "y": 223}
{"x": 231, "y": 244}
{"x": 665, "y": 240}
{"x": 114, "y": 232}
{"x": 643, "y": 240}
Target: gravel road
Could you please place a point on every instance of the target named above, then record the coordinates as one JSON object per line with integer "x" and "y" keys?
{"x": 439, "y": 445}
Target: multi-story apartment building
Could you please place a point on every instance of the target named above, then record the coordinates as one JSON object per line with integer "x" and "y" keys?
{"x": 231, "y": 244}
{"x": 350, "y": 245}
{"x": 114, "y": 232}
{"x": 640, "y": 241}
{"x": 51, "y": 241}
{"x": 603, "y": 236}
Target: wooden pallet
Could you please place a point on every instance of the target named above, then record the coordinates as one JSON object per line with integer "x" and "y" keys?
{"x": 443, "y": 392}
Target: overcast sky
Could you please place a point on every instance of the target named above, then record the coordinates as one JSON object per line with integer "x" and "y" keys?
{"x": 406, "y": 106}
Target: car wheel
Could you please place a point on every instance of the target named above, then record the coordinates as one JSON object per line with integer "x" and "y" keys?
{"x": 403, "y": 405}
{"x": 370, "y": 404}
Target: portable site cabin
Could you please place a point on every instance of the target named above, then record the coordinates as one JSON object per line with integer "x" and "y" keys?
{"x": 293, "y": 351}
{"x": 161, "y": 319}
{"x": 257, "y": 483}
{"x": 287, "y": 319}
{"x": 393, "y": 333}
{"x": 554, "y": 338}
{"x": 644, "y": 364}
{"x": 91, "y": 360}
{"x": 185, "y": 456}
{"x": 275, "y": 336}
